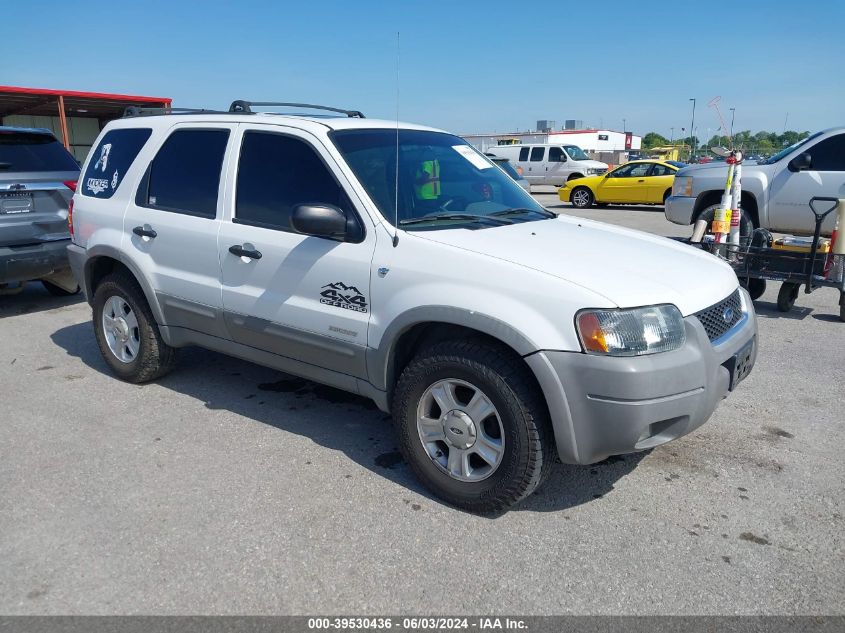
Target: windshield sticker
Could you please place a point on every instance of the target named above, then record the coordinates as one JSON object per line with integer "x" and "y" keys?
{"x": 103, "y": 160}
{"x": 96, "y": 185}
{"x": 478, "y": 161}
{"x": 340, "y": 295}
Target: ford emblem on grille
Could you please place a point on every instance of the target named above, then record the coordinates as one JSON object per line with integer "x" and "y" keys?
{"x": 728, "y": 314}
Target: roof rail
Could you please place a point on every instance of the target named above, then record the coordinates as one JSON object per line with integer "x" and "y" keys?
{"x": 245, "y": 107}
{"x": 132, "y": 111}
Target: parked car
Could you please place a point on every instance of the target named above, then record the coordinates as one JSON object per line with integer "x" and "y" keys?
{"x": 505, "y": 165}
{"x": 37, "y": 179}
{"x": 499, "y": 335}
{"x": 550, "y": 164}
{"x": 775, "y": 192}
{"x": 636, "y": 182}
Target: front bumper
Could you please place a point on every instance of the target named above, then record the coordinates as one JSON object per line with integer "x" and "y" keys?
{"x": 33, "y": 261}
{"x": 679, "y": 209}
{"x": 602, "y": 406}
{"x": 563, "y": 193}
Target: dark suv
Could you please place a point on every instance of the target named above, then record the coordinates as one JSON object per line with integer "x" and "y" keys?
{"x": 37, "y": 179}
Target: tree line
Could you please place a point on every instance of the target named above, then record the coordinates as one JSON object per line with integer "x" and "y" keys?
{"x": 760, "y": 142}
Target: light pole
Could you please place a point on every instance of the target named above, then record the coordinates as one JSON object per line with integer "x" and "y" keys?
{"x": 733, "y": 112}
{"x": 623, "y": 126}
{"x": 672, "y": 140}
{"x": 692, "y": 131}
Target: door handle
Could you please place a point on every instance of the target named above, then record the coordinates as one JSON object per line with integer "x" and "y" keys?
{"x": 641, "y": 180}
{"x": 140, "y": 231}
{"x": 240, "y": 251}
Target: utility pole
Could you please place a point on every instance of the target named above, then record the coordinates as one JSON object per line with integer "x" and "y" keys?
{"x": 692, "y": 131}
{"x": 672, "y": 140}
{"x": 733, "y": 112}
{"x": 623, "y": 126}
{"x": 784, "y": 123}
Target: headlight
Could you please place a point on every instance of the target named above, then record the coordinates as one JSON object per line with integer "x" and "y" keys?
{"x": 682, "y": 186}
{"x": 633, "y": 332}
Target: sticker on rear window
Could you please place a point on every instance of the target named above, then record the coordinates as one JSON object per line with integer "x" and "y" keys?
{"x": 478, "y": 161}
{"x": 111, "y": 159}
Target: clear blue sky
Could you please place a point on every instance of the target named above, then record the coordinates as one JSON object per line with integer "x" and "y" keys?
{"x": 467, "y": 66}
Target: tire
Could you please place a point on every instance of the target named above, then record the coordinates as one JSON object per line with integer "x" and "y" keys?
{"x": 574, "y": 177}
{"x": 581, "y": 198}
{"x": 666, "y": 194}
{"x": 459, "y": 371}
{"x": 144, "y": 355}
{"x": 755, "y": 287}
{"x": 787, "y": 295}
{"x": 746, "y": 224}
{"x": 57, "y": 291}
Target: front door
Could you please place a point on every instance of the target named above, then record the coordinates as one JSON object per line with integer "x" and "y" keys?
{"x": 790, "y": 191}
{"x": 306, "y": 298}
{"x": 625, "y": 185}
{"x": 557, "y": 167}
{"x": 170, "y": 225}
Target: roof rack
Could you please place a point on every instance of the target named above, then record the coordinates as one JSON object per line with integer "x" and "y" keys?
{"x": 131, "y": 111}
{"x": 245, "y": 107}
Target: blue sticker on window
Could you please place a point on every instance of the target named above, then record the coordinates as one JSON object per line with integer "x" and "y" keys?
{"x": 111, "y": 159}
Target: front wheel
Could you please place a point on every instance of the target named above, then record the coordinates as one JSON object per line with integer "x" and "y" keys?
{"x": 127, "y": 333}
{"x": 746, "y": 224}
{"x": 473, "y": 425}
{"x": 582, "y": 198}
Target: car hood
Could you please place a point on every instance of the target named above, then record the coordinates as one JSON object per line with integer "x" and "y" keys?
{"x": 629, "y": 268}
{"x": 593, "y": 163}
{"x": 591, "y": 181}
{"x": 713, "y": 169}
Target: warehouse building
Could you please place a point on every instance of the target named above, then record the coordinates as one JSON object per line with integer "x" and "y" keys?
{"x": 76, "y": 118}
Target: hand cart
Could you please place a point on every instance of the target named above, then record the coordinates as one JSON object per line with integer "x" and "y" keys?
{"x": 755, "y": 261}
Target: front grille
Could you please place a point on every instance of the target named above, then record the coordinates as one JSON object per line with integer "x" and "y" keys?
{"x": 713, "y": 318}
{"x": 601, "y": 171}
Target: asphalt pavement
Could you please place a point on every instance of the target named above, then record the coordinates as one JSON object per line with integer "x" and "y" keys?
{"x": 228, "y": 488}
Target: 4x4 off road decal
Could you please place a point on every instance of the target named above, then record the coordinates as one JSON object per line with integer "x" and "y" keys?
{"x": 340, "y": 295}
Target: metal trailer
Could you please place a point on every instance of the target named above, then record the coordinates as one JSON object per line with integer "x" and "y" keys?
{"x": 755, "y": 262}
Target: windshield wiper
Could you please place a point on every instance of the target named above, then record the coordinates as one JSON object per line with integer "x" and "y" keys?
{"x": 522, "y": 211}
{"x": 466, "y": 217}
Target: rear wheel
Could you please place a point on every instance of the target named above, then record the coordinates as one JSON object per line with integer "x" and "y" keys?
{"x": 581, "y": 198}
{"x": 127, "y": 333}
{"x": 473, "y": 425}
{"x": 787, "y": 295}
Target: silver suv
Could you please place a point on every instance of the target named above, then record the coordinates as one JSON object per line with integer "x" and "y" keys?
{"x": 37, "y": 179}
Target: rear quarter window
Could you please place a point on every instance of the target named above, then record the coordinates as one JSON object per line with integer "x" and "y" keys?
{"x": 111, "y": 159}
{"x": 23, "y": 151}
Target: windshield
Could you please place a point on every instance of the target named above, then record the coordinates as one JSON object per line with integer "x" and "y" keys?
{"x": 575, "y": 152}
{"x": 439, "y": 175}
{"x": 506, "y": 166}
{"x": 773, "y": 159}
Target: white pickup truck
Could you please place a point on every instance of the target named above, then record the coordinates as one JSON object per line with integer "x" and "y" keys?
{"x": 775, "y": 193}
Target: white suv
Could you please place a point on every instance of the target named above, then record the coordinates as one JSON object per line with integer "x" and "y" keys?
{"x": 499, "y": 335}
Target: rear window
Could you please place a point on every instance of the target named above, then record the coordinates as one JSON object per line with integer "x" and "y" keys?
{"x": 111, "y": 159}
{"x": 33, "y": 151}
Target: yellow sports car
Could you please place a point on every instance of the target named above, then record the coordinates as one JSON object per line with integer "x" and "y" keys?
{"x": 637, "y": 182}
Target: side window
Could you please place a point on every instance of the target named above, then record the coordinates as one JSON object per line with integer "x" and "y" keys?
{"x": 276, "y": 173}
{"x": 556, "y": 155}
{"x": 110, "y": 160}
{"x": 537, "y": 154}
{"x": 661, "y": 170}
{"x": 639, "y": 170}
{"x": 624, "y": 171}
{"x": 185, "y": 174}
{"x": 523, "y": 154}
{"x": 829, "y": 155}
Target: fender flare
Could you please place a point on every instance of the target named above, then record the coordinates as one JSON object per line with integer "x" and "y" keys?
{"x": 380, "y": 359}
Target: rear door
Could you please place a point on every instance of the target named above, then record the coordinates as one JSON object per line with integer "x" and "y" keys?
{"x": 535, "y": 170}
{"x": 37, "y": 178}
{"x": 171, "y": 225}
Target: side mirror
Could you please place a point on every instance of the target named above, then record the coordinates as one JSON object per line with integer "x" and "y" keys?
{"x": 802, "y": 162}
{"x": 320, "y": 220}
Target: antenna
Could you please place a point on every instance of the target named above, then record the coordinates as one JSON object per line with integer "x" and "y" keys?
{"x": 396, "y": 183}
